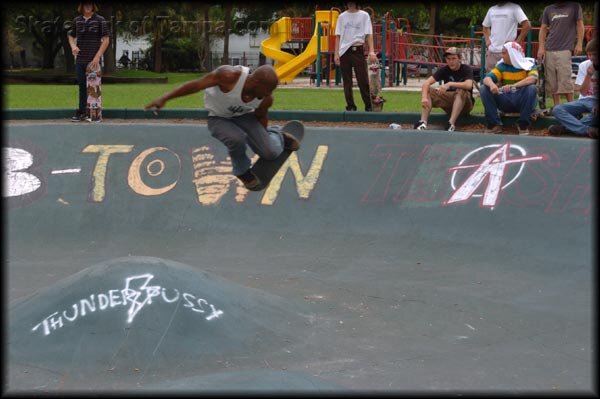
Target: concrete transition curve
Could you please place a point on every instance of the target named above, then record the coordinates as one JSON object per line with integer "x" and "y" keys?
{"x": 376, "y": 260}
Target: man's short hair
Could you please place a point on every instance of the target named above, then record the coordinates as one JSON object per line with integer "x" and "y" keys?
{"x": 80, "y": 6}
{"x": 592, "y": 46}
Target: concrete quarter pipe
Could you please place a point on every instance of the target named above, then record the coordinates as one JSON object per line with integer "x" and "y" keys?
{"x": 377, "y": 260}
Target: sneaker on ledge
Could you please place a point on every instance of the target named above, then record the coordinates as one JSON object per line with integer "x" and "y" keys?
{"x": 420, "y": 125}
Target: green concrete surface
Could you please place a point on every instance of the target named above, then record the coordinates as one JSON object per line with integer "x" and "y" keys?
{"x": 377, "y": 260}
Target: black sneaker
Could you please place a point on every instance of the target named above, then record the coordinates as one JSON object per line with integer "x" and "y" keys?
{"x": 420, "y": 125}
{"x": 523, "y": 130}
{"x": 449, "y": 127}
{"x": 493, "y": 129}
{"x": 250, "y": 180}
{"x": 79, "y": 116}
{"x": 557, "y": 130}
{"x": 351, "y": 108}
{"x": 290, "y": 143}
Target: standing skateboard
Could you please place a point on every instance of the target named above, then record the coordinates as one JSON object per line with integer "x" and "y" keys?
{"x": 94, "y": 94}
{"x": 266, "y": 170}
{"x": 375, "y": 87}
{"x": 542, "y": 89}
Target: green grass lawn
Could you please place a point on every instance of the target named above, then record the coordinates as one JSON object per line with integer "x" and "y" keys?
{"x": 136, "y": 95}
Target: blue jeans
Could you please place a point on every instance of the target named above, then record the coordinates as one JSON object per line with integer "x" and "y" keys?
{"x": 568, "y": 115}
{"x": 81, "y": 81}
{"x": 523, "y": 101}
{"x": 241, "y": 131}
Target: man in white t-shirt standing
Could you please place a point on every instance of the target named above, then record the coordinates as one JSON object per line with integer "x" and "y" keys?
{"x": 500, "y": 26}
{"x": 352, "y": 30}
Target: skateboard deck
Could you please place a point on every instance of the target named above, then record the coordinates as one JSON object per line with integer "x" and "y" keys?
{"x": 375, "y": 87}
{"x": 94, "y": 94}
{"x": 266, "y": 170}
{"x": 541, "y": 87}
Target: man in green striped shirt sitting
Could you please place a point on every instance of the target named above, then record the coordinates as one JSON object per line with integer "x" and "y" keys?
{"x": 510, "y": 87}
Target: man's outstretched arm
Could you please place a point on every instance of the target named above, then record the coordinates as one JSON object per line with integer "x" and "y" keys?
{"x": 209, "y": 80}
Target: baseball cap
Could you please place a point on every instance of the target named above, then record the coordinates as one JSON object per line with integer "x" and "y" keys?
{"x": 451, "y": 51}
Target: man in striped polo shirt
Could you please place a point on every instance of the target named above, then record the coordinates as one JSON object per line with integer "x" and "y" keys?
{"x": 89, "y": 38}
{"x": 510, "y": 87}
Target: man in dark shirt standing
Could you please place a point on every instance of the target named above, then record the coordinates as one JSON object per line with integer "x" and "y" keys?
{"x": 89, "y": 38}
{"x": 455, "y": 96}
{"x": 560, "y": 38}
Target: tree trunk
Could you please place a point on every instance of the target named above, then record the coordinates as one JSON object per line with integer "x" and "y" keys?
{"x": 205, "y": 45}
{"x": 7, "y": 59}
{"x": 110, "y": 58}
{"x": 48, "y": 56}
{"x": 227, "y": 26}
{"x": 157, "y": 56}
{"x": 433, "y": 8}
{"x": 68, "y": 54}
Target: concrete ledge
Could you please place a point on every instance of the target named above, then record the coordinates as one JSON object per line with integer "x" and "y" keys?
{"x": 324, "y": 116}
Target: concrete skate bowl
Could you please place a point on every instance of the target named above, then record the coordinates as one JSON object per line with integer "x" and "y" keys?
{"x": 378, "y": 260}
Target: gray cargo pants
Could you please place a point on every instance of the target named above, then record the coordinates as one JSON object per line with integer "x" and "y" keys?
{"x": 241, "y": 131}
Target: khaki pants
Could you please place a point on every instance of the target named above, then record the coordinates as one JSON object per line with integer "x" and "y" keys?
{"x": 557, "y": 72}
{"x": 444, "y": 99}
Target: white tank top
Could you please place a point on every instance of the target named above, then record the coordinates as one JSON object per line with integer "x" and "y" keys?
{"x": 230, "y": 104}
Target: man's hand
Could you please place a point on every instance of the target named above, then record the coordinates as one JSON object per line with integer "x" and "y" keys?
{"x": 494, "y": 88}
{"x": 541, "y": 53}
{"x": 445, "y": 86}
{"x": 75, "y": 50}
{"x": 336, "y": 59}
{"x": 155, "y": 105}
{"x": 373, "y": 58}
{"x": 507, "y": 88}
{"x": 578, "y": 49}
{"x": 425, "y": 102}
{"x": 95, "y": 63}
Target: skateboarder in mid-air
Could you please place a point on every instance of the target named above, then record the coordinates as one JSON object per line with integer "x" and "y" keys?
{"x": 237, "y": 102}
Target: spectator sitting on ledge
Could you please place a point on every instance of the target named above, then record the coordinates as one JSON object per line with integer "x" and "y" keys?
{"x": 511, "y": 87}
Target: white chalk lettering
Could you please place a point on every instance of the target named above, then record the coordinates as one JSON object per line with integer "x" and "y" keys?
{"x": 188, "y": 301}
{"x": 75, "y": 312}
{"x": 45, "y": 324}
{"x": 89, "y": 304}
{"x": 56, "y": 322}
{"x": 113, "y": 298}
{"x": 136, "y": 295}
{"x": 164, "y": 297}
{"x": 199, "y": 301}
{"x": 215, "y": 313}
{"x": 102, "y": 301}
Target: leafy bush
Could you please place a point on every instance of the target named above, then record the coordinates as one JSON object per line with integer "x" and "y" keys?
{"x": 178, "y": 54}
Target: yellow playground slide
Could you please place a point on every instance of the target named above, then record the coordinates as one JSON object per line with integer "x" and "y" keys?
{"x": 287, "y": 65}
{"x": 279, "y": 33}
